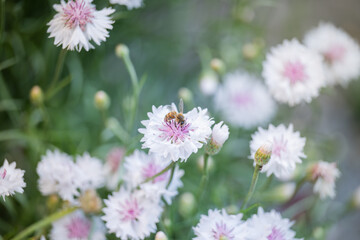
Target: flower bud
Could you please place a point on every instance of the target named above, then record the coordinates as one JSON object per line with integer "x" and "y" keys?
{"x": 36, "y": 95}
{"x": 90, "y": 202}
{"x": 208, "y": 83}
{"x": 219, "y": 135}
{"x": 355, "y": 200}
{"x": 160, "y": 236}
{"x": 319, "y": 233}
{"x": 232, "y": 209}
{"x": 250, "y": 51}
{"x": 187, "y": 204}
{"x": 101, "y": 100}
{"x": 263, "y": 154}
{"x": 52, "y": 201}
{"x": 185, "y": 94}
{"x": 200, "y": 163}
{"x": 121, "y": 50}
{"x": 217, "y": 65}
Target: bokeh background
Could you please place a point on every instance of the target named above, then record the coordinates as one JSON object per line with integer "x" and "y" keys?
{"x": 172, "y": 43}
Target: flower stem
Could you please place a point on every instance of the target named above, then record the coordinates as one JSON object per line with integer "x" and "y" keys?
{"x": 204, "y": 178}
{"x": 252, "y": 186}
{"x": 171, "y": 176}
{"x": 44, "y": 222}
{"x": 58, "y": 69}
{"x": 160, "y": 173}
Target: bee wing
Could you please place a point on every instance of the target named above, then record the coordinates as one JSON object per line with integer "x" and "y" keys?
{"x": 181, "y": 106}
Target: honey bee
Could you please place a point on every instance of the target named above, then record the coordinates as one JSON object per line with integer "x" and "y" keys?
{"x": 179, "y": 117}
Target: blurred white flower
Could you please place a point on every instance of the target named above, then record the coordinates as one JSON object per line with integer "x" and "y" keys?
{"x": 171, "y": 139}
{"x": 208, "y": 83}
{"x": 112, "y": 167}
{"x": 139, "y": 166}
{"x": 77, "y": 226}
{"x": 340, "y": 51}
{"x": 130, "y": 215}
{"x": 287, "y": 149}
{"x": 58, "y": 174}
{"x": 77, "y": 22}
{"x": 244, "y": 101}
{"x": 270, "y": 226}
{"x": 92, "y": 172}
{"x": 130, "y": 4}
{"x": 11, "y": 179}
{"x": 293, "y": 73}
{"x": 219, "y": 225}
{"x": 324, "y": 174}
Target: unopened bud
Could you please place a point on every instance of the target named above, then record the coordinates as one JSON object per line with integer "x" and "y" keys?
{"x": 250, "y": 51}
{"x": 185, "y": 94}
{"x": 219, "y": 135}
{"x": 217, "y": 65}
{"x": 160, "y": 236}
{"x": 208, "y": 83}
{"x": 355, "y": 200}
{"x": 319, "y": 233}
{"x": 187, "y": 204}
{"x": 90, "y": 202}
{"x": 263, "y": 154}
{"x": 52, "y": 201}
{"x": 101, "y": 100}
{"x": 36, "y": 95}
{"x": 121, "y": 50}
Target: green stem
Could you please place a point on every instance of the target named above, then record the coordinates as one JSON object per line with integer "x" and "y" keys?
{"x": 297, "y": 188}
{"x": 252, "y": 186}
{"x": 171, "y": 176}
{"x": 204, "y": 177}
{"x": 160, "y": 173}
{"x": 58, "y": 69}
{"x": 44, "y": 222}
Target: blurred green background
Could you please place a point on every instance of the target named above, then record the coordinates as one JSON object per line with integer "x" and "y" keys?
{"x": 171, "y": 43}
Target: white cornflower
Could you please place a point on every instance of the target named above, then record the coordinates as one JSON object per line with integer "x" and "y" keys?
{"x": 92, "y": 172}
{"x": 340, "y": 51}
{"x": 324, "y": 175}
{"x": 172, "y": 139}
{"x": 244, "y": 101}
{"x": 77, "y": 22}
{"x": 11, "y": 179}
{"x": 139, "y": 166}
{"x": 208, "y": 83}
{"x": 293, "y": 73}
{"x": 219, "y": 135}
{"x": 131, "y": 215}
{"x": 218, "y": 225}
{"x": 112, "y": 167}
{"x": 287, "y": 149}
{"x": 58, "y": 174}
{"x": 270, "y": 226}
{"x": 130, "y": 4}
{"x": 77, "y": 226}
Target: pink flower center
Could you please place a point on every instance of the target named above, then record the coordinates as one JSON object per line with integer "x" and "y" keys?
{"x": 275, "y": 234}
{"x": 78, "y": 228}
{"x": 279, "y": 146}
{"x": 243, "y": 99}
{"x": 3, "y": 175}
{"x": 174, "y": 132}
{"x": 114, "y": 158}
{"x": 294, "y": 71}
{"x": 221, "y": 232}
{"x": 334, "y": 53}
{"x": 78, "y": 13}
{"x": 130, "y": 210}
{"x": 151, "y": 169}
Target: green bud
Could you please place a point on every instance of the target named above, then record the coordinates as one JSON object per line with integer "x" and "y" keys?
{"x": 101, "y": 100}
{"x": 121, "y": 50}
{"x": 263, "y": 154}
{"x": 217, "y": 65}
{"x": 36, "y": 95}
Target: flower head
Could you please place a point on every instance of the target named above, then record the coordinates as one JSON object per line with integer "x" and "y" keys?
{"x": 175, "y": 137}
{"x": 11, "y": 179}
{"x": 340, "y": 51}
{"x": 324, "y": 175}
{"x": 219, "y": 135}
{"x": 58, "y": 174}
{"x": 139, "y": 166}
{"x": 130, "y": 215}
{"x": 77, "y": 22}
{"x": 293, "y": 73}
{"x": 243, "y": 101}
{"x": 130, "y": 4}
{"x": 218, "y": 225}
{"x": 270, "y": 226}
{"x": 287, "y": 149}
{"x": 77, "y": 226}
